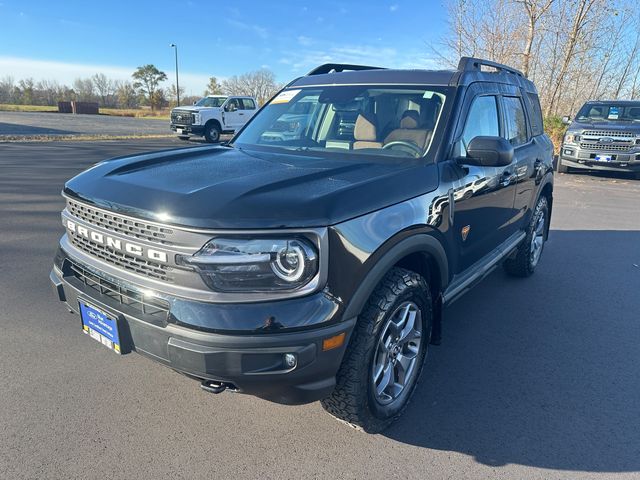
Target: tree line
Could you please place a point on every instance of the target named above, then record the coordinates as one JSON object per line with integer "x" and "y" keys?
{"x": 145, "y": 89}
{"x": 573, "y": 50}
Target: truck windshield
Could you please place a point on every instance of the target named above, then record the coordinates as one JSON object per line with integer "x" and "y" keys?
{"x": 373, "y": 120}
{"x": 609, "y": 112}
{"x": 210, "y": 102}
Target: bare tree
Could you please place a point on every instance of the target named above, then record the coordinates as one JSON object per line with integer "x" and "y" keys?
{"x": 7, "y": 86}
{"x": 535, "y": 9}
{"x": 260, "y": 84}
{"x": 84, "y": 90}
{"x": 104, "y": 88}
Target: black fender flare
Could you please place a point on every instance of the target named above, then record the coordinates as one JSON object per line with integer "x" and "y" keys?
{"x": 416, "y": 243}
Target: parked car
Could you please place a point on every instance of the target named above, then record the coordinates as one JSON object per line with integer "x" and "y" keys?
{"x": 315, "y": 266}
{"x": 212, "y": 116}
{"x": 604, "y": 136}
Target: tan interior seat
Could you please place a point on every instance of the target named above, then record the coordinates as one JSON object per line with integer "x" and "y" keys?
{"x": 365, "y": 133}
{"x": 409, "y": 131}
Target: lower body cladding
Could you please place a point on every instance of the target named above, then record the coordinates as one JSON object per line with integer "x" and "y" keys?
{"x": 601, "y": 160}
{"x": 289, "y": 368}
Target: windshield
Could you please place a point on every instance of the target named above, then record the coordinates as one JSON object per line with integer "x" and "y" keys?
{"x": 610, "y": 113}
{"x": 210, "y": 102}
{"x": 378, "y": 120}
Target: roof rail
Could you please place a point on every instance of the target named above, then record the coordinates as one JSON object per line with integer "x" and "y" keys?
{"x": 475, "y": 64}
{"x": 339, "y": 67}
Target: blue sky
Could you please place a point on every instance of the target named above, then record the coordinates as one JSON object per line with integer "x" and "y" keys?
{"x": 65, "y": 40}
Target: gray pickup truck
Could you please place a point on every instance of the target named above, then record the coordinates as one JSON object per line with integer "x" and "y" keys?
{"x": 605, "y": 135}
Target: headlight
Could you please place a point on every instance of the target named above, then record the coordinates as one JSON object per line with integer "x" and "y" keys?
{"x": 255, "y": 265}
{"x": 571, "y": 138}
{"x": 196, "y": 118}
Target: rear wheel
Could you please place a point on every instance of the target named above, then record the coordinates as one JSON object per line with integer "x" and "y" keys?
{"x": 385, "y": 356}
{"x": 212, "y": 132}
{"x": 525, "y": 259}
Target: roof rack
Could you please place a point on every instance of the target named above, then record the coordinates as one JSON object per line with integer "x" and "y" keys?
{"x": 475, "y": 64}
{"x": 339, "y": 67}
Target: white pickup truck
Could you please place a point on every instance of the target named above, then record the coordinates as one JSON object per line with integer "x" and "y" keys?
{"x": 212, "y": 116}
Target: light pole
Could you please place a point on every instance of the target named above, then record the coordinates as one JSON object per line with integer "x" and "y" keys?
{"x": 175, "y": 47}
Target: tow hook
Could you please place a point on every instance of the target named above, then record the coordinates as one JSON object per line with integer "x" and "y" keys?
{"x": 212, "y": 386}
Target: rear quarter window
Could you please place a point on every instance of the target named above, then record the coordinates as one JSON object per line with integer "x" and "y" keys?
{"x": 535, "y": 114}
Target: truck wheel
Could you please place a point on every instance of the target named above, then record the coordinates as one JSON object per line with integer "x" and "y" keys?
{"x": 384, "y": 359}
{"x": 212, "y": 133}
{"x": 525, "y": 259}
{"x": 562, "y": 168}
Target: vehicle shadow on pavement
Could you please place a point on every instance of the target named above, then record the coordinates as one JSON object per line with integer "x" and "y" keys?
{"x": 28, "y": 130}
{"x": 543, "y": 371}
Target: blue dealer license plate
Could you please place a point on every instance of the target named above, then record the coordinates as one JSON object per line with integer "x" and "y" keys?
{"x": 603, "y": 158}
{"x": 100, "y": 326}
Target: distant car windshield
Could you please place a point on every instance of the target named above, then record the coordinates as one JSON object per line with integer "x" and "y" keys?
{"x": 373, "y": 120}
{"x": 609, "y": 112}
{"x": 210, "y": 102}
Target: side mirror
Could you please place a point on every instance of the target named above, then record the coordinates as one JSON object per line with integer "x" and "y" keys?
{"x": 231, "y": 107}
{"x": 488, "y": 152}
{"x": 566, "y": 119}
{"x": 194, "y": 102}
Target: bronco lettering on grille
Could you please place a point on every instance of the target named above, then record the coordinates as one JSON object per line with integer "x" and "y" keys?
{"x": 116, "y": 244}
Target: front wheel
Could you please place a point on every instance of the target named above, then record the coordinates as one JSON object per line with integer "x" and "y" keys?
{"x": 525, "y": 259}
{"x": 212, "y": 133}
{"x": 385, "y": 356}
{"x": 562, "y": 168}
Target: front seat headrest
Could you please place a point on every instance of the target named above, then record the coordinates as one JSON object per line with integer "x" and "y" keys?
{"x": 410, "y": 119}
{"x": 365, "y": 128}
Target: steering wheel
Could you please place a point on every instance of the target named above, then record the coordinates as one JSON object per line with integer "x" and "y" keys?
{"x": 412, "y": 147}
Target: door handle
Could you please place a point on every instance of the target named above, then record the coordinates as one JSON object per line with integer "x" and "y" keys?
{"x": 241, "y": 113}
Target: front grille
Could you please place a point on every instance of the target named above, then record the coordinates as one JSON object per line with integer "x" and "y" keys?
{"x": 124, "y": 296}
{"x": 181, "y": 118}
{"x": 606, "y": 146}
{"x": 608, "y": 133}
{"x": 131, "y": 263}
{"x": 122, "y": 225}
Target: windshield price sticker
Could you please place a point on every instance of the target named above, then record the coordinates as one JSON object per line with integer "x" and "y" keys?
{"x": 614, "y": 113}
{"x": 285, "y": 97}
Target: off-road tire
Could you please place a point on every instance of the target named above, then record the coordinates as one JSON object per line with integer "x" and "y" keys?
{"x": 353, "y": 400}
{"x": 212, "y": 132}
{"x": 520, "y": 264}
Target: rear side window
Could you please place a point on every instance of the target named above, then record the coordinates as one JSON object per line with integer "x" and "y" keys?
{"x": 482, "y": 119}
{"x": 248, "y": 104}
{"x": 535, "y": 115}
{"x": 515, "y": 121}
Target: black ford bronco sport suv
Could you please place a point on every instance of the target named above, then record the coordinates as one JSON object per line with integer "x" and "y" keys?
{"x": 315, "y": 264}
{"x": 605, "y": 135}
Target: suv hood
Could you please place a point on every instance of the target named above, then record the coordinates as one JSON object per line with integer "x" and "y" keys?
{"x": 224, "y": 187}
{"x": 630, "y": 127}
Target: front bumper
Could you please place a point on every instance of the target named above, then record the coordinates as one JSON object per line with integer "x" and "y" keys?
{"x": 574, "y": 156}
{"x": 188, "y": 129}
{"x": 248, "y": 363}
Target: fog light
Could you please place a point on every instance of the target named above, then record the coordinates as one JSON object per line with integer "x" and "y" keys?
{"x": 290, "y": 360}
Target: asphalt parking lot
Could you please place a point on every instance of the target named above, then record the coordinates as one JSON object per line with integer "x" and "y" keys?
{"x": 50, "y": 124}
{"x": 536, "y": 378}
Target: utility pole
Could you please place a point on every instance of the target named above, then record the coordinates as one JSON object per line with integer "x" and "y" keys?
{"x": 175, "y": 47}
